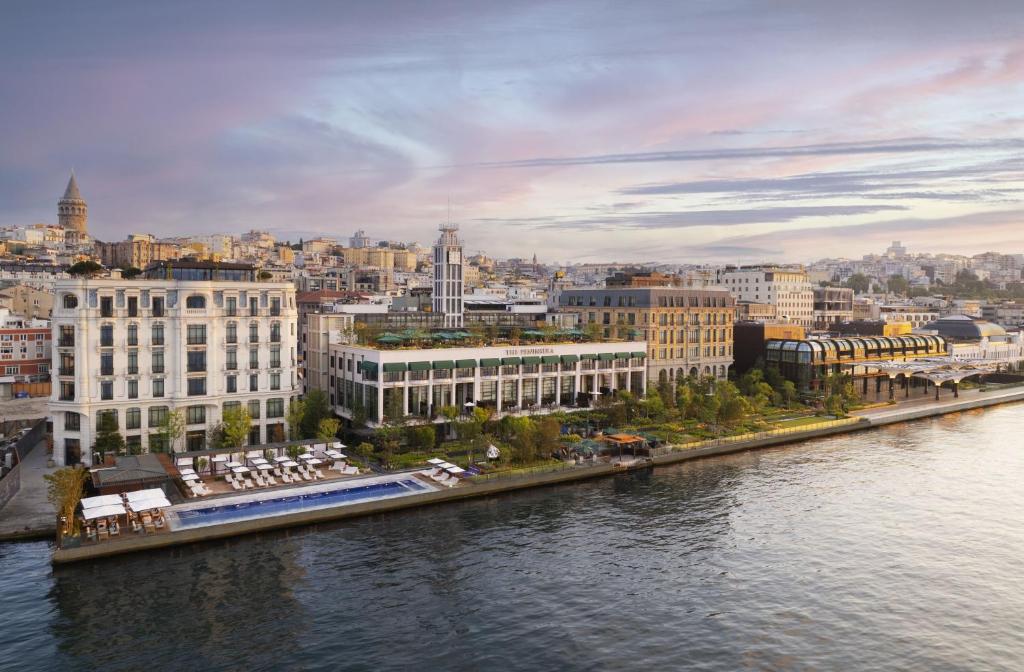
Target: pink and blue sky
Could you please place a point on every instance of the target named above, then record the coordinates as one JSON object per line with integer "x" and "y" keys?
{"x": 648, "y": 131}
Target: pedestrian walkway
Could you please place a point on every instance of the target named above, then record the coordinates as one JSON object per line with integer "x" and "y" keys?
{"x": 926, "y": 402}
{"x": 29, "y": 513}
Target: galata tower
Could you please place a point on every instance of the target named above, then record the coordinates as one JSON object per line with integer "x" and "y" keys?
{"x": 72, "y": 212}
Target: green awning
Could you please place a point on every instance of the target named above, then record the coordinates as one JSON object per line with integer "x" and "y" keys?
{"x": 549, "y": 359}
{"x": 641, "y": 355}
{"x": 444, "y": 364}
{"x": 367, "y": 366}
{"x": 570, "y": 359}
{"x": 394, "y": 367}
{"x": 586, "y": 357}
{"x": 419, "y": 366}
{"x": 511, "y": 361}
{"x": 470, "y": 363}
{"x": 621, "y": 355}
{"x": 489, "y": 361}
{"x": 531, "y": 360}
{"x": 606, "y": 356}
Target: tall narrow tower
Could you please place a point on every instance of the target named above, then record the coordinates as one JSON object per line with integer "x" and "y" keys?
{"x": 72, "y": 212}
{"x": 447, "y": 299}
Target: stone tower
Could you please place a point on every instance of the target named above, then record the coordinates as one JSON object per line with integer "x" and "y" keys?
{"x": 447, "y": 299}
{"x": 72, "y": 212}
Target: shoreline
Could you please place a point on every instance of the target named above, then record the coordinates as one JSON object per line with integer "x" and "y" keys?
{"x": 878, "y": 417}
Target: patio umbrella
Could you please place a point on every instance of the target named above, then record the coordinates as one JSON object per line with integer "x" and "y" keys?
{"x": 435, "y": 460}
{"x": 101, "y": 500}
{"x": 104, "y": 511}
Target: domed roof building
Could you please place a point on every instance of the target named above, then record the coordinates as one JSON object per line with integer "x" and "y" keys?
{"x": 966, "y": 328}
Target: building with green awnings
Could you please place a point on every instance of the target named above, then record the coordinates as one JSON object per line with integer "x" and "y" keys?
{"x": 530, "y": 377}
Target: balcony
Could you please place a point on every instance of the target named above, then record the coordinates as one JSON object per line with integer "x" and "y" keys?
{"x": 66, "y": 371}
{"x": 195, "y": 312}
{"x": 66, "y": 342}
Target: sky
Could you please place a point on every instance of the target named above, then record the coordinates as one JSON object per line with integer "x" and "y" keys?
{"x": 679, "y": 132}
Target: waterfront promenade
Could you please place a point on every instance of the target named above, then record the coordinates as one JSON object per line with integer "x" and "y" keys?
{"x": 866, "y": 419}
{"x": 29, "y": 514}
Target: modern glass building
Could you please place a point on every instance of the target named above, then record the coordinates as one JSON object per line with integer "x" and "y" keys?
{"x": 808, "y": 362}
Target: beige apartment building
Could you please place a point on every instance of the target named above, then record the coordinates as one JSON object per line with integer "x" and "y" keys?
{"x": 689, "y": 332}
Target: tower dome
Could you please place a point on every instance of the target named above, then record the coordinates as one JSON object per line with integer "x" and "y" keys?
{"x": 72, "y": 211}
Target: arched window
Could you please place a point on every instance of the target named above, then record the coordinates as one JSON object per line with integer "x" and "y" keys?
{"x": 195, "y": 301}
{"x": 70, "y": 301}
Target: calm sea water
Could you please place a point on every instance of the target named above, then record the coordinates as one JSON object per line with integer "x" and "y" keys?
{"x": 898, "y": 549}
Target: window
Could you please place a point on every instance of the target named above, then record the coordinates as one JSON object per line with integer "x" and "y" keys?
{"x": 107, "y": 390}
{"x": 275, "y": 307}
{"x": 158, "y": 388}
{"x": 133, "y": 362}
{"x": 195, "y": 440}
{"x": 67, "y": 391}
{"x": 133, "y": 389}
{"x": 254, "y": 306}
{"x": 72, "y": 421}
{"x": 275, "y": 381}
{"x": 254, "y": 435}
{"x": 275, "y": 358}
{"x": 196, "y": 301}
{"x": 157, "y": 336}
{"x": 70, "y": 301}
{"x": 133, "y": 334}
{"x": 158, "y": 306}
{"x": 195, "y": 415}
{"x": 232, "y": 336}
{"x": 157, "y": 443}
{"x": 157, "y": 416}
{"x": 67, "y": 336}
{"x": 133, "y": 418}
{"x": 232, "y": 360}
{"x": 107, "y": 364}
{"x": 275, "y": 332}
{"x": 254, "y": 409}
{"x": 231, "y": 307}
{"x": 254, "y": 358}
{"x": 232, "y": 384}
{"x": 196, "y": 334}
{"x": 254, "y": 381}
{"x": 275, "y": 408}
{"x": 103, "y": 415}
{"x": 254, "y": 332}
{"x": 196, "y": 387}
{"x": 196, "y": 361}
{"x": 133, "y": 306}
{"x": 158, "y": 361}
{"x": 106, "y": 306}
{"x": 107, "y": 336}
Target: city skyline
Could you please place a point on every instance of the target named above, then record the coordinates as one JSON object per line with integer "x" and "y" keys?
{"x": 653, "y": 133}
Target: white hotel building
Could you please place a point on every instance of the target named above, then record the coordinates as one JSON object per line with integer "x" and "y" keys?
{"x": 541, "y": 378}
{"x": 202, "y": 338}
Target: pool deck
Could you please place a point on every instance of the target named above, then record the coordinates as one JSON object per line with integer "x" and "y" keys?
{"x": 867, "y": 419}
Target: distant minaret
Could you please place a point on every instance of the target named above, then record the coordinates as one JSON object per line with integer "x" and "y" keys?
{"x": 447, "y": 299}
{"x": 72, "y": 212}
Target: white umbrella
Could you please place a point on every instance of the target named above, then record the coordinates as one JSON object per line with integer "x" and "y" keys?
{"x": 315, "y": 461}
{"x": 103, "y": 511}
{"x": 337, "y": 445}
{"x": 435, "y": 460}
{"x": 446, "y": 465}
{"x": 258, "y": 461}
{"x": 219, "y": 458}
{"x": 184, "y": 461}
{"x": 282, "y": 458}
{"x": 184, "y": 471}
{"x": 101, "y": 500}
{"x": 264, "y": 467}
{"x": 190, "y": 477}
{"x": 254, "y": 453}
{"x": 140, "y": 495}
{"x": 455, "y": 470}
{"x": 233, "y": 465}
{"x": 240, "y": 470}
{"x": 306, "y": 456}
{"x": 150, "y": 504}
{"x": 289, "y": 464}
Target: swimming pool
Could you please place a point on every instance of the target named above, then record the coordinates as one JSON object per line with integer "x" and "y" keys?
{"x": 305, "y": 501}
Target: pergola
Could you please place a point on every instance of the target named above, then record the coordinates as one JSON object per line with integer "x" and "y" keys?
{"x": 937, "y": 370}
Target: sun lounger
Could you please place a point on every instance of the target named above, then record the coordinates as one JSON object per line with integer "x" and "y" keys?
{"x": 259, "y": 481}
{"x": 235, "y": 485}
{"x": 277, "y": 472}
{"x": 136, "y": 526}
{"x": 351, "y": 470}
{"x": 270, "y": 480}
{"x": 159, "y": 521}
{"x": 249, "y": 483}
{"x": 285, "y": 477}
{"x": 319, "y": 474}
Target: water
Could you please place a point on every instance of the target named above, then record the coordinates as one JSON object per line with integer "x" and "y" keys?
{"x": 258, "y": 508}
{"x": 895, "y": 549}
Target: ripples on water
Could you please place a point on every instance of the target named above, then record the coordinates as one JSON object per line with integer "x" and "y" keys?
{"x": 889, "y": 549}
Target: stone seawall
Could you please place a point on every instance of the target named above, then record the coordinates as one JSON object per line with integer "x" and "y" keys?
{"x": 498, "y": 486}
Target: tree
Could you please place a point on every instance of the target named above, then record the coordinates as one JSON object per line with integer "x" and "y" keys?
{"x": 524, "y": 442}
{"x": 548, "y": 433}
{"x": 859, "y": 283}
{"x": 365, "y": 449}
{"x": 327, "y": 430}
{"x": 422, "y": 437}
{"x": 450, "y": 413}
{"x": 264, "y": 275}
{"x": 130, "y": 272}
{"x": 482, "y": 415}
{"x": 293, "y": 416}
{"x": 236, "y": 424}
{"x": 317, "y": 408}
{"x": 85, "y": 268}
{"x": 64, "y": 489}
{"x": 172, "y": 428}
{"x": 108, "y": 435}
{"x": 897, "y": 284}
